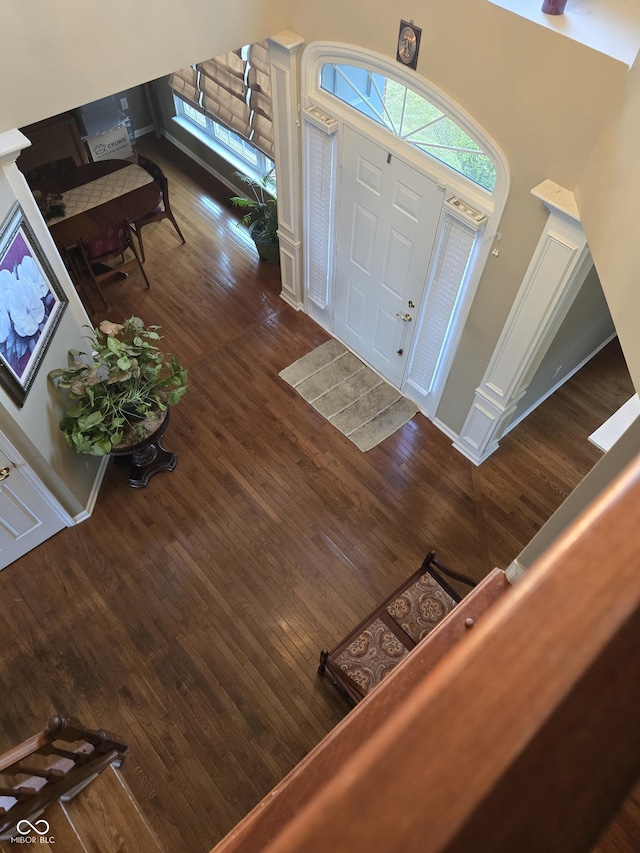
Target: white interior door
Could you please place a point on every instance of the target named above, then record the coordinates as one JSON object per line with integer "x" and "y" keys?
{"x": 27, "y": 516}
{"x": 387, "y": 223}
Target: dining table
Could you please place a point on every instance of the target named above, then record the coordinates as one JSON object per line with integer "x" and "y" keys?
{"x": 95, "y": 197}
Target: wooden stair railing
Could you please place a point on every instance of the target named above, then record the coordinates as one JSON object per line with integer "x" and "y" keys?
{"x": 55, "y": 763}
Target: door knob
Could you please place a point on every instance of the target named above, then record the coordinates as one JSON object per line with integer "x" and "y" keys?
{"x": 406, "y": 318}
{"x": 4, "y": 473}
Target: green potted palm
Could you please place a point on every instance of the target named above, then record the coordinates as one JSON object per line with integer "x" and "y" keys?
{"x": 120, "y": 389}
{"x": 261, "y": 214}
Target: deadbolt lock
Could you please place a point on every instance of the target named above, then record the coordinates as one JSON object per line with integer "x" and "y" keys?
{"x": 400, "y": 351}
{"x": 412, "y": 304}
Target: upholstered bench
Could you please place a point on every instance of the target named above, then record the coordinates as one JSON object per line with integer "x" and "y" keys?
{"x": 363, "y": 658}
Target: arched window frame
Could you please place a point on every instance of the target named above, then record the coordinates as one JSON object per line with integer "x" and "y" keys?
{"x": 411, "y": 117}
{"x": 317, "y": 54}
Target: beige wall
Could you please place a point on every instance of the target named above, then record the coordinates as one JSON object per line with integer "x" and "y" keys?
{"x": 56, "y": 56}
{"x": 608, "y": 193}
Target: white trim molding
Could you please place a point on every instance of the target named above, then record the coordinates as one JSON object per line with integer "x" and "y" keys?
{"x": 318, "y": 54}
{"x": 34, "y": 481}
{"x": 445, "y": 303}
{"x": 525, "y": 414}
{"x": 556, "y": 272}
{"x": 217, "y": 175}
{"x": 12, "y": 144}
{"x": 320, "y": 152}
{"x": 515, "y": 572}
{"x": 283, "y": 53}
{"x": 95, "y": 491}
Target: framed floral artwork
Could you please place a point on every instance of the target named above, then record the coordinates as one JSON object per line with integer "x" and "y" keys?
{"x": 31, "y": 305}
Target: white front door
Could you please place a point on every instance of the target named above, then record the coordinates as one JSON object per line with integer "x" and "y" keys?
{"x": 27, "y": 514}
{"x": 387, "y": 224}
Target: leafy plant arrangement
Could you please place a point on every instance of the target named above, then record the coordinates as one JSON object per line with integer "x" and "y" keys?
{"x": 118, "y": 386}
{"x": 51, "y": 205}
{"x": 260, "y": 212}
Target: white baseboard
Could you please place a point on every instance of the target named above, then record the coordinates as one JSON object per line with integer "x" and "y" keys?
{"x": 557, "y": 385}
{"x": 515, "y": 572}
{"x": 143, "y": 131}
{"x": 450, "y": 433}
{"x": 611, "y": 430}
{"x": 298, "y": 306}
{"x": 95, "y": 491}
{"x": 462, "y": 449}
{"x": 200, "y": 161}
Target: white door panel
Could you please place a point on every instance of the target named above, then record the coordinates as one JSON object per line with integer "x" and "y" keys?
{"x": 384, "y": 330}
{"x": 407, "y": 202}
{"x": 356, "y": 311}
{"x": 27, "y": 518}
{"x": 370, "y": 176}
{"x": 387, "y": 222}
{"x": 363, "y": 238}
{"x": 397, "y": 263}
{"x": 16, "y": 519}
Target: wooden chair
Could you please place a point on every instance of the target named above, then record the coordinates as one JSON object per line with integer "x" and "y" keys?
{"x": 163, "y": 210}
{"x": 99, "y": 249}
{"x": 81, "y": 277}
{"x": 362, "y": 659}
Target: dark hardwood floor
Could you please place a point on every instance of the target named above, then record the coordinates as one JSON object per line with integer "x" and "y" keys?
{"x": 188, "y": 616}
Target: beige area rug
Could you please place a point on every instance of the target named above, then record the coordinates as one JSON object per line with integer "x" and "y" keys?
{"x": 349, "y": 394}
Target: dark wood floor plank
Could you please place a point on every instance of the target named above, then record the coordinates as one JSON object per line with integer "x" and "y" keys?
{"x": 189, "y": 615}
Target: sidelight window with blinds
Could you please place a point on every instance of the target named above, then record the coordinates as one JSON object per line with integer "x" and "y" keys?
{"x": 233, "y": 90}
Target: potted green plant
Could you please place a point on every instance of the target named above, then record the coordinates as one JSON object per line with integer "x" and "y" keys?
{"x": 120, "y": 389}
{"x": 261, "y": 214}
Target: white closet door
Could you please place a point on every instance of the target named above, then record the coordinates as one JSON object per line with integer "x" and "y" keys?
{"x": 28, "y": 515}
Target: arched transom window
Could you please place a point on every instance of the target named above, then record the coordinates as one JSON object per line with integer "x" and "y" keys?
{"x": 411, "y": 117}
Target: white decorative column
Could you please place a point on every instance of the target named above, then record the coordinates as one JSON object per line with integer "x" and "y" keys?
{"x": 285, "y": 76}
{"x": 557, "y": 270}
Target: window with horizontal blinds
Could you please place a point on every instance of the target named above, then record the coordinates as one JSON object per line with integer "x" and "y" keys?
{"x": 443, "y": 291}
{"x": 224, "y": 92}
{"x": 185, "y": 84}
{"x": 235, "y": 90}
{"x": 259, "y": 84}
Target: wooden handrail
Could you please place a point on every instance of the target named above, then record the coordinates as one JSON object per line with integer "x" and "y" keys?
{"x": 86, "y": 753}
{"x": 24, "y": 750}
{"x": 524, "y": 738}
{"x": 59, "y": 728}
